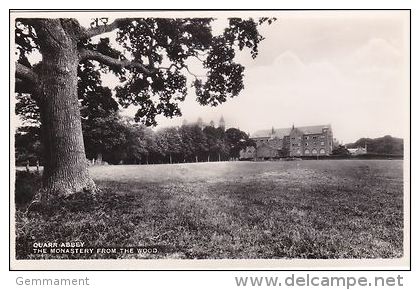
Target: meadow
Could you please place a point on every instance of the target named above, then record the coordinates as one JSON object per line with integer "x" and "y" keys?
{"x": 311, "y": 209}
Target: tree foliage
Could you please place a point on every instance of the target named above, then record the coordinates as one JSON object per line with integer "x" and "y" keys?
{"x": 382, "y": 145}
{"x": 28, "y": 145}
{"x": 153, "y": 65}
{"x": 340, "y": 150}
{"x": 236, "y": 141}
{"x": 151, "y": 58}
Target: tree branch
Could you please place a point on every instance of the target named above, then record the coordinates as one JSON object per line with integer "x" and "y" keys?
{"x": 194, "y": 75}
{"x": 104, "y": 59}
{"x": 171, "y": 66}
{"x": 91, "y": 32}
{"x": 180, "y": 67}
{"x": 101, "y": 29}
{"x": 25, "y": 73}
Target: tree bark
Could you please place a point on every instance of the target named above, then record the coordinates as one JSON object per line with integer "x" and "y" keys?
{"x": 66, "y": 168}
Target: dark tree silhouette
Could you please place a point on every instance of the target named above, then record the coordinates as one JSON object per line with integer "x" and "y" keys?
{"x": 152, "y": 69}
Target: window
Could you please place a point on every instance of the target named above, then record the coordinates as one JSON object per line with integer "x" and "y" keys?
{"x": 307, "y": 152}
{"x": 306, "y": 144}
{"x": 314, "y": 143}
{"x": 293, "y": 138}
{"x": 298, "y": 152}
{"x": 314, "y": 152}
{"x": 322, "y": 151}
{"x": 322, "y": 136}
{"x": 322, "y": 143}
{"x": 306, "y": 137}
{"x": 314, "y": 137}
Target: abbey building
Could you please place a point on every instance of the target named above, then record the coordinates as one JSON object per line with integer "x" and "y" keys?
{"x": 291, "y": 142}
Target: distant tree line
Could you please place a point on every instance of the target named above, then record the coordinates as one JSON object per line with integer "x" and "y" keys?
{"x": 115, "y": 139}
{"x": 112, "y": 138}
{"x": 382, "y": 145}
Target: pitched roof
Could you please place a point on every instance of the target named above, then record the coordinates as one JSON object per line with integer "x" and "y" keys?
{"x": 280, "y": 133}
{"x": 266, "y": 145}
{"x": 313, "y": 129}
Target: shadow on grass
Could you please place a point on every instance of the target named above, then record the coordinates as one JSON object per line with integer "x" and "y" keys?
{"x": 96, "y": 219}
{"x": 26, "y": 186}
{"x": 293, "y": 213}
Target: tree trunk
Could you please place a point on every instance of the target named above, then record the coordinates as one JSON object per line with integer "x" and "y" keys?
{"x": 99, "y": 158}
{"x": 66, "y": 168}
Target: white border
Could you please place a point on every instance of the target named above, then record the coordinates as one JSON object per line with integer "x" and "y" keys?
{"x": 284, "y": 264}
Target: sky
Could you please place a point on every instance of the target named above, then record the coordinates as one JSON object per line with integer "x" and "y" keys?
{"x": 349, "y": 69}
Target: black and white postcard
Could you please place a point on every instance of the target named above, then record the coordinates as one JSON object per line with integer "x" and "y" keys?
{"x": 269, "y": 139}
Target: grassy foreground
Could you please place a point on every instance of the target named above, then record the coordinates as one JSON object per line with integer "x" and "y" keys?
{"x": 299, "y": 209}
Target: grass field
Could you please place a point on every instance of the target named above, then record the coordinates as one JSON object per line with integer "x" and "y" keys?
{"x": 299, "y": 209}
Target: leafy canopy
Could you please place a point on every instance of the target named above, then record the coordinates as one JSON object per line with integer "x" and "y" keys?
{"x": 151, "y": 61}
